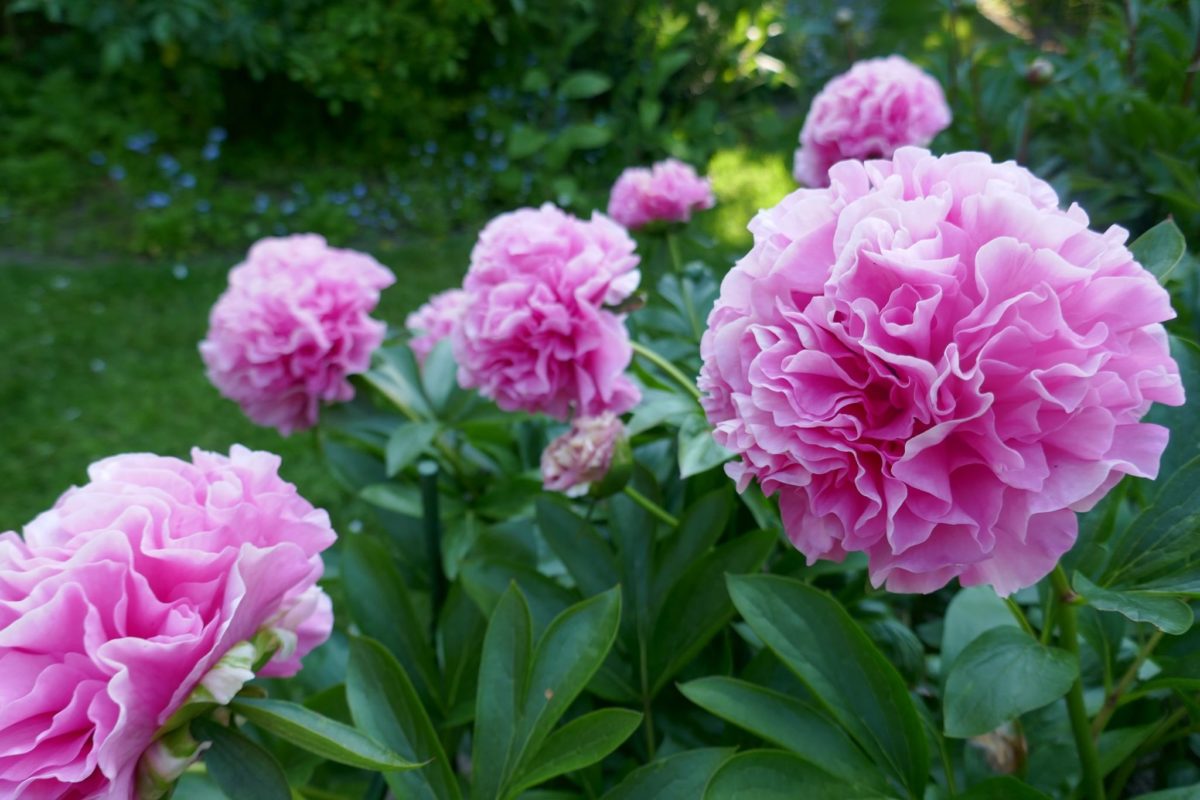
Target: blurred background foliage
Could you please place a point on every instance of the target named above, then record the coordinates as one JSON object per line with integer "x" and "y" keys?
{"x": 144, "y": 140}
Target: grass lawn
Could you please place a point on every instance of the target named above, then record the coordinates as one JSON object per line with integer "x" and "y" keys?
{"x": 102, "y": 359}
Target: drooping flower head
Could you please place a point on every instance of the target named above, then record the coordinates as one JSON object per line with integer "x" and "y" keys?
{"x": 539, "y": 333}
{"x": 877, "y": 106}
{"x": 293, "y": 324}
{"x": 931, "y": 362}
{"x": 583, "y": 455}
{"x": 667, "y": 192}
{"x": 435, "y": 321}
{"x": 159, "y": 581}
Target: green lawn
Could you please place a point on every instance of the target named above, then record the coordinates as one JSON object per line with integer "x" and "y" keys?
{"x": 102, "y": 359}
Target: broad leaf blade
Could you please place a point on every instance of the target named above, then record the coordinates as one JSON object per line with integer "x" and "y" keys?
{"x": 1160, "y": 249}
{"x": 499, "y": 700}
{"x": 863, "y": 692}
{"x": 788, "y": 723}
{"x": 320, "y": 735}
{"x": 682, "y": 776}
{"x": 1167, "y": 612}
{"x": 384, "y": 705}
{"x": 1001, "y": 675}
{"x": 407, "y": 443}
{"x": 580, "y": 743}
{"x": 775, "y": 775}
{"x": 239, "y": 766}
{"x": 698, "y": 530}
{"x": 586, "y": 555}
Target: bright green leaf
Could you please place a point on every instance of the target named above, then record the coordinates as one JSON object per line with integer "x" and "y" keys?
{"x": 1160, "y": 249}
{"x": 407, "y": 443}
{"x": 971, "y": 613}
{"x": 682, "y": 776}
{"x": 698, "y": 450}
{"x": 584, "y": 84}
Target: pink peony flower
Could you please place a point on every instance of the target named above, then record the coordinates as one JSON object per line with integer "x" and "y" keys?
{"x": 435, "y": 321}
{"x": 536, "y": 335}
{"x": 293, "y": 324}
{"x": 156, "y": 580}
{"x": 877, "y": 106}
{"x": 932, "y": 363}
{"x": 581, "y": 456}
{"x": 668, "y": 192}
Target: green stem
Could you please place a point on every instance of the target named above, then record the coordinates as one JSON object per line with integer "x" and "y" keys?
{"x": 1068, "y": 638}
{"x": 666, "y": 366}
{"x": 1114, "y": 698}
{"x": 650, "y": 505}
{"x": 1020, "y": 616}
{"x": 685, "y": 288}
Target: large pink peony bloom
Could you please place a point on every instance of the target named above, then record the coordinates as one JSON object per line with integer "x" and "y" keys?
{"x": 121, "y": 600}
{"x": 435, "y": 321}
{"x": 932, "y": 363}
{"x": 877, "y": 106}
{"x": 537, "y": 334}
{"x": 293, "y": 324}
{"x": 667, "y": 192}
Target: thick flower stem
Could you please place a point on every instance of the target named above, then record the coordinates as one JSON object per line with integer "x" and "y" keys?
{"x": 666, "y": 366}
{"x": 650, "y": 505}
{"x": 1068, "y": 637}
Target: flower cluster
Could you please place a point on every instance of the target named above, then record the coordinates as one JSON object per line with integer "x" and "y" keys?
{"x": 435, "y": 321}
{"x": 539, "y": 333}
{"x": 667, "y": 192}
{"x": 933, "y": 363}
{"x": 293, "y": 324}
{"x": 868, "y": 112}
{"x": 158, "y": 582}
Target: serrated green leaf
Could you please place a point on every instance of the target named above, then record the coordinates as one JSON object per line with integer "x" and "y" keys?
{"x": 860, "y": 689}
{"x": 788, "y": 723}
{"x": 240, "y": 767}
{"x": 320, "y": 735}
{"x": 1000, "y": 675}
{"x": 580, "y": 743}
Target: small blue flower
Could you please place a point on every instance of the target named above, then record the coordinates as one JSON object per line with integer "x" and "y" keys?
{"x": 497, "y": 137}
{"x": 157, "y": 200}
{"x": 359, "y": 190}
{"x": 141, "y": 142}
{"x": 217, "y": 135}
{"x": 354, "y": 210}
{"x": 404, "y": 199}
{"x": 431, "y": 147}
{"x": 186, "y": 181}
{"x": 203, "y": 206}
{"x": 481, "y": 134}
{"x": 97, "y": 158}
{"x": 117, "y": 173}
{"x": 168, "y": 164}
{"x": 497, "y": 163}
{"x": 287, "y": 207}
{"x": 261, "y": 203}
{"x": 211, "y": 151}
{"x": 298, "y": 188}
{"x": 338, "y": 198}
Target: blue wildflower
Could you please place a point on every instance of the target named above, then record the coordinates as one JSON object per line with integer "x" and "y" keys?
{"x": 203, "y": 206}
{"x": 157, "y": 200}
{"x": 287, "y": 207}
{"x": 117, "y": 173}
{"x": 168, "y": 164}
{"x": 359, "y": 190}
{"x": 186, "y": 181}
{"x": 211, "y": 151}
{"x": 97, "y": 158}
{"x": 261, "y": 203}
{"x": 217, "y": 135}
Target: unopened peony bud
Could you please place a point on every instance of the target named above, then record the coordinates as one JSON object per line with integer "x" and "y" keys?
{"x": 165, "y": 761}
{"x": 1040, "y": 71}
{"x": 593, "y": 457}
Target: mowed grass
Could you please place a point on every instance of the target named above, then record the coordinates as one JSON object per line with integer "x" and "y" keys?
{"x": 102, "y": 359}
